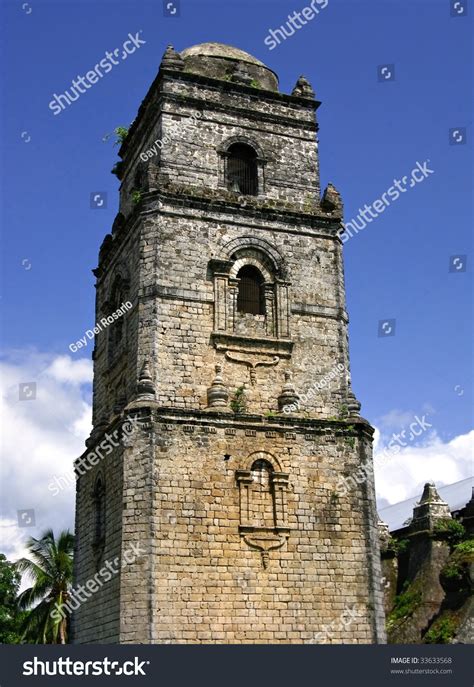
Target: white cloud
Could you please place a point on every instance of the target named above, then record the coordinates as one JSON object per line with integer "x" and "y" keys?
{"x": 40, "y": 439}
{"x": 395, "y": 418}
{"x": 399, "y": 476}
{"x": 64, "y": 369}
{"x": 398, "y": 419}
{"x": 12, "y": 545}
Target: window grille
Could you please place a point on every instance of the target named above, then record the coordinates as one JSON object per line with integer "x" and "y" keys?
{"x": 250, "y": 297}
{"x": 242, "y": 173}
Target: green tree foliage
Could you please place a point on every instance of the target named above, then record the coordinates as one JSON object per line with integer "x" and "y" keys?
{"x": 449, "y": 530}
{"x": 121, "y": 132}
{"x": 442, "y": 631}
{"x": 50, "y": 569}
{"x": 10, "y": 619}
{"x": 405, "y": 604}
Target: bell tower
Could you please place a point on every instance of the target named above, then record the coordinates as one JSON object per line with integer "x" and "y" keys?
{"x": 223, "y": 410}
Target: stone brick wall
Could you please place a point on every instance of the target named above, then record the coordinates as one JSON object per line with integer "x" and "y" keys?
{"x": 208, "y": 584}
{"x": 282, "y": 128}
{"x": 429, "y": 595}
{"x": 184, "y": 485}
{"x": 97, "y": 620}
{"x": 178, "y": 313}
{"x": 111, "y": 373}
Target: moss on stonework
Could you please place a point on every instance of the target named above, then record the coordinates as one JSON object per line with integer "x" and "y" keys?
{"x": 466, "y": 548}
{"x": 442, "y": 631}
{"x": 343, "y": 411}
{"x": 455, "y": 575}
{"x": 455, "y": 579}
{"x": 136, "y": 197}
{"x": 449, "y": 530}
{"x": 405, "y": 604}
{"x": 403, "y": 546}
{"x": 250, "y": 201}
{"x": 398, "y": 547}
{"x": 238, "y": 402}
{"x": 452, "y": 571}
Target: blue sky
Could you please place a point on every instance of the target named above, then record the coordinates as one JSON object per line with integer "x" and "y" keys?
{"x": 370, "y": 133}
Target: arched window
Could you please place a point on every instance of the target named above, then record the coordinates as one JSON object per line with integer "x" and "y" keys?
{"x": 261, "y": 472}
{"x": 120, "y": 396}
{"x": 263, "y": 504}
{"x": 99, "y": 513}
{"x": 117, "y": 327}
{"x": 261, "y": 500}
{"x": 118, "y": 296}
{"x": 250, "y": 296}
{"x": 117, "y": 334}
{"x": 242, "y": 172}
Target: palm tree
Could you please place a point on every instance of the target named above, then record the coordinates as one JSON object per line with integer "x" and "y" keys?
{"x": 50, "y": 568}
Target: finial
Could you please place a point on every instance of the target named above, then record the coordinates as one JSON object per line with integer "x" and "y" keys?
{"x": 288, "y": 397}
{"x": 353, "y": 405}
{"x": 430, "y": 509}
{"x": 430, "y": 494}
{"x": 303, "y": 88}
{"x": 217, "y": 393}
{"x": 332, "y": 201}
{"x": 145, "y": 386}
{"x": 172, "y": 59}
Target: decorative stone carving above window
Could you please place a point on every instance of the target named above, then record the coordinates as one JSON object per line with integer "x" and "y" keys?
{"x": 263, "y": 504}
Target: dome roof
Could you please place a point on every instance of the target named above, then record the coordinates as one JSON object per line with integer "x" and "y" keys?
{"x": 220, "y": 61}
{"x": 220, "y": 50}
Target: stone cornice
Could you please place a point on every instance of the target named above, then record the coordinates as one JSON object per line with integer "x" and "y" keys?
{"x": 281, "y": 424}
{"x": 316, "y": 310}
{"x": 172, "y": 293}
{"x": 144, "y": 113}
{"x": 219, "y": 84}
{"x": 217, "y": 201}
{"x": 256, "y": 115}
{"x": 221, "y": 200}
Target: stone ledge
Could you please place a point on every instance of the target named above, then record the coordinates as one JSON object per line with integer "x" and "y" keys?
{"x": 278, "y": 423}
{"x": 246, "y": 344}
{"x": 170, "y": 417}
{"x": 319, "y": 311}
{"x": 222, "y": 200}
{"x": 157, "y": 88}
{"x": 173, "y": 293}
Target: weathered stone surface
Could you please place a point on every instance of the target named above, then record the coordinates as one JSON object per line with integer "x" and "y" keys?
{"x": 431, "y": 509}
{"x": 431, "y": 575}
{"x": 234, "y": 501}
